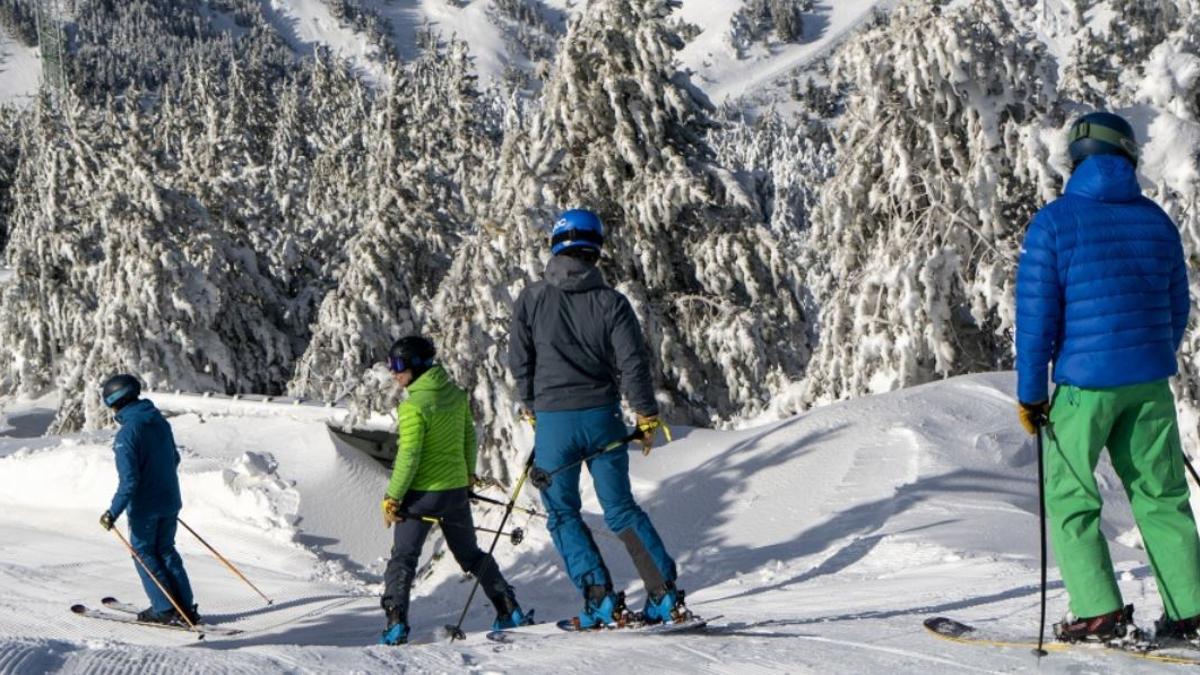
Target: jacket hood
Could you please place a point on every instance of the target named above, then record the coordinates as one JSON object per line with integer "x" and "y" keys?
{"x": 431, "y": 380}
{"x": 573, "y": 275}
{"x": 1105, "y": 178}
{"x": 139, "y": 408}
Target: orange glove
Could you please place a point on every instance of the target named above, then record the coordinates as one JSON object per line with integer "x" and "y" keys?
{"x": 1033, "y": 415}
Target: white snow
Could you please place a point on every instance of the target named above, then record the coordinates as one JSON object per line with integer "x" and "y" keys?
{"x": 724, "y": 77}
{"x": 817, "y": 544}
{"x": 20, "y": 73}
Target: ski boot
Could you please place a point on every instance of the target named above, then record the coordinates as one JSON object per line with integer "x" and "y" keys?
{"x": 192, "y": 614}
{"x": 1183, "y": 630}
{"x": 396, "y": 632}
{"x": 508, "y": 612}
{"x": 1116, "y": 626}
{"x": 665, "y": 605}
{"x": 151, "y": 615}
{"x": 601, "y": 609}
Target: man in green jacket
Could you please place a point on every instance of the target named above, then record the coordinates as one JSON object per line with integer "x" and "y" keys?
{"x": 430, "y": 483}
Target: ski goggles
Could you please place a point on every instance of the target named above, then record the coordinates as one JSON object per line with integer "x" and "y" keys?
{"x": 116, "y": 396}
{"x": 398, "y": 364}
{"x": 576, "y": 237}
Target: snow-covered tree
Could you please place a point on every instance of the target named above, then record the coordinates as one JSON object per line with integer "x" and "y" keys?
{"x": 940, "y": 164}
{"x": 621, "y": 131}
{"x": 428, "y": 149}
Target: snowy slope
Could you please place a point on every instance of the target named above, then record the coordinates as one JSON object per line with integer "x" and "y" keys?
{"x": 819, "y": 541}
{"x": 718, "y": 69}
{"x": 724, "y": 77}
{"x": 20, "y": 73}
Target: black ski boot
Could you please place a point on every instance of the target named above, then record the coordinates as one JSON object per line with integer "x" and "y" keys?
{"x": 1117, "y": 625}
{"x": 192, "y": 614}
{"x": 1183, "y": 630}
{"x": 150, "y": 615}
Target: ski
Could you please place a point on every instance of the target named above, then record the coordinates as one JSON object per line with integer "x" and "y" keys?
{"x": 956, "y": 631}
{"x": 122, "y": 616}
{"x": 693, "y": 624}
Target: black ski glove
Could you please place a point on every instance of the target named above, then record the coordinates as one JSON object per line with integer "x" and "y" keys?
{"x": 106, "y": 520}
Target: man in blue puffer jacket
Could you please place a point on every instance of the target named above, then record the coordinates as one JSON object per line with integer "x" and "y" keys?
{"x": 1102, "y": 292}
{"x": 148, "y": 487}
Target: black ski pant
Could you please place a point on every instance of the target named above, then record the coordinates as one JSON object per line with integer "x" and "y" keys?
{"x": 453, "y": 508}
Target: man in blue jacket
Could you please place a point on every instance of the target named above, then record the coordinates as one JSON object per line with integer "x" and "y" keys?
{"x": 1102, "y": 293}
{"x": 574, "y": 342}
{"x": 148, "y": 487}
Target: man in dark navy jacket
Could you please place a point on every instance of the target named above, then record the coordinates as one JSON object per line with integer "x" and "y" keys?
{"x": 147, "y": 463}
{"x": 1102, "y": 292}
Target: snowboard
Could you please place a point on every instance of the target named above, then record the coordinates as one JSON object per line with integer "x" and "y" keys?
{"x": 956, "y": 631}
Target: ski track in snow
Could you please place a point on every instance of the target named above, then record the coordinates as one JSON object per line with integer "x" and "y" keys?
{"x": 821, "y": 542}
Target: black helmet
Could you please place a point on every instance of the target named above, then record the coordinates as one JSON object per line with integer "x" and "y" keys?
{"x": 411, "y": 353}
{"x": 1102, "y": 133}
{"x": 119, "y": 391}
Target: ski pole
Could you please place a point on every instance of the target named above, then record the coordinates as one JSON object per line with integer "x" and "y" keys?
{"x": 1191, "y": 469}
{"x": 158, "y": 583}
{"x": 227, "y": 564}
{"x": 456, "y": 630}
{"x": 476, "y": 497}
{"x": 517, "y": 535}
{"x": 1040, "y": 652}
{"x": 542, "y": 479}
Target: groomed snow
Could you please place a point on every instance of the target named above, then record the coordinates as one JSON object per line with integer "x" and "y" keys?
{"x": 817, "y": 544}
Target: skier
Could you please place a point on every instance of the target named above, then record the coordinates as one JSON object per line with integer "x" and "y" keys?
{"x": 574, "y": 339}
{"x": 147, "y": 465}
{"x": 435, "y": 463}
{"x": 1102, "y": 292}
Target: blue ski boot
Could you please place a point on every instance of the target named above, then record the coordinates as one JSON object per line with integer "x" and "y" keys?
{"x": 666, "y": 606}
{"x": 512, "y": 620}
{"x": 396, "y": 632}
{"x": 508, "y": 612}
{"x": 602, "y": 608}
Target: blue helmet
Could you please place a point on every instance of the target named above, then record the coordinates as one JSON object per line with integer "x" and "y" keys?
{"x": 1102, "y": 133}
{"x": 577, "y": 228}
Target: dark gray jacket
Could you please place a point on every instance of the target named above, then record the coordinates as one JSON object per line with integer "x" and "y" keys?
{"x": 574, "y": 340}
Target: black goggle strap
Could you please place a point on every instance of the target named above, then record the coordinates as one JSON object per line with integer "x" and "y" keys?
{"x": 573, "y": 234}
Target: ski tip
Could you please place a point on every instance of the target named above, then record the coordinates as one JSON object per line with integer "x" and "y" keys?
{"x": 948, "y": 627}
{"x": 78, "y": 609}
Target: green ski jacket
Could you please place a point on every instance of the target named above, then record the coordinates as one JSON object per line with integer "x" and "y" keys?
{"x": 437, "y": 437}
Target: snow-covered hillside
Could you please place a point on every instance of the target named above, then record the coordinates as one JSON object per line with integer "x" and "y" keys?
{"x": 816, "y": 544}
{"x": 20, "y": 70}
{"x": 710, "y": 54}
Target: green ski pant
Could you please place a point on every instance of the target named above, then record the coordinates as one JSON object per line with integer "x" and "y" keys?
{"x": 1138, "y": 425}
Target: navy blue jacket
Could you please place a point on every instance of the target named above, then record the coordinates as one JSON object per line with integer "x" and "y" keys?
{"x": 575, "y": 340}
{"x": 1102, "y": 286}
{"x": 147, "y": 462}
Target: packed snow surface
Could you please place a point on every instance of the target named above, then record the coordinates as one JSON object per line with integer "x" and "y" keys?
{"x": 815, "y": 544}
{"x": 20, "y": 74}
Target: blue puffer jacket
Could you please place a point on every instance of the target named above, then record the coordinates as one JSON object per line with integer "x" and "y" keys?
{"x": 1102, "y": 286}
{"x": 146, "y": 463}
